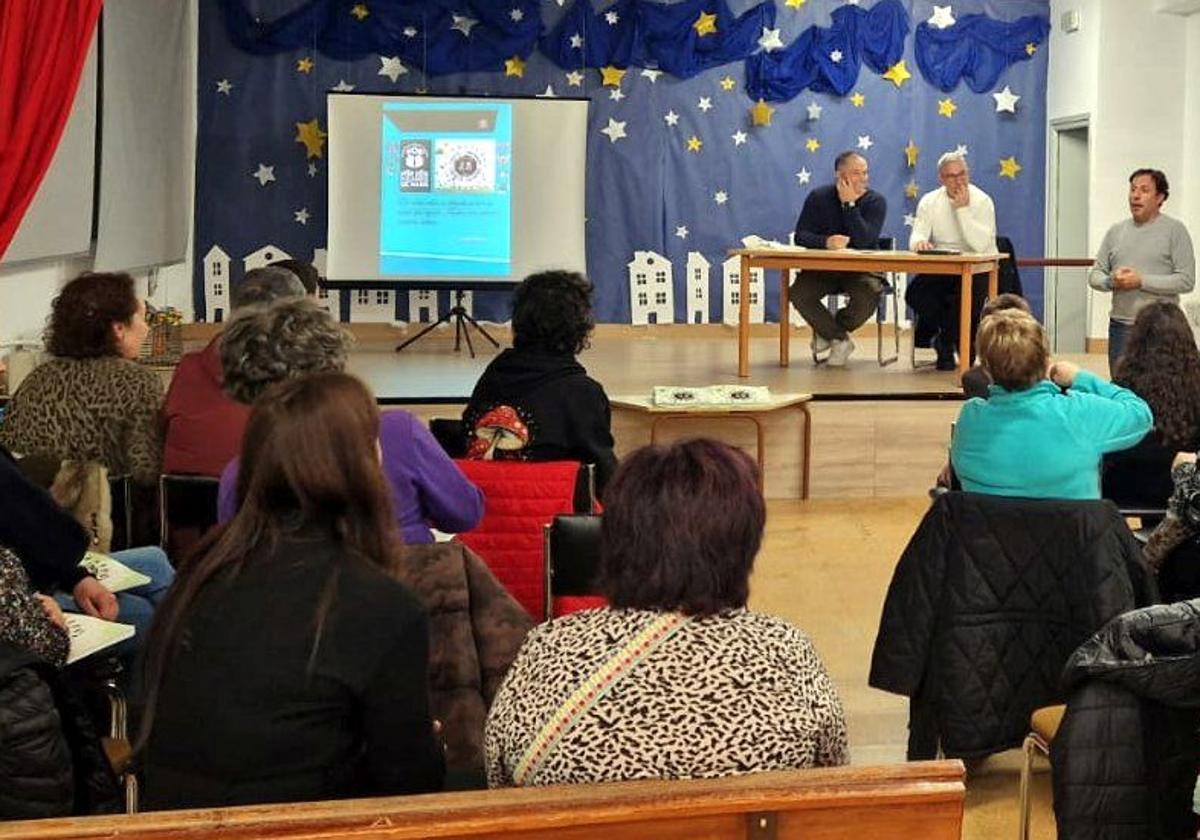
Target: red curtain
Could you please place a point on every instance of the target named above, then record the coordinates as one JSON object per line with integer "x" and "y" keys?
{"x": 43, "y": 45}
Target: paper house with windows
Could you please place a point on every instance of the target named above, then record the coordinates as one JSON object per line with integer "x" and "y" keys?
{"x": 216, "y": 284}
{"x": 264, "y": 256}
{"x": 372, "y": 306}
{"x": 422, "y": 306}
{"x": 731, "y": 271}
{"x": 651, "y": 289}
{"x": 330, "y": 301}
{"x": 697, "y": 288}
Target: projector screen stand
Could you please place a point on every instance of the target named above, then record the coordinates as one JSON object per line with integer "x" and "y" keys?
{"x": 463, "y": 322}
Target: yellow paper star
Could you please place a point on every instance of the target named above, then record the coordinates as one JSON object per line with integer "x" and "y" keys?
{"x": 305, "y": 65}
{"x": 514, "y": 66}
{"x": 706, "y": 24}
{"x": 761, "y": 113}
{"x": 946, "y": 107}
{"x": 310, "y": 134}
{"x": 611, "y": 76}
{"x": 898, "y": 73}
{"x": 360, "y": 11}
{"x": 1009, "y": 168}
{"x": 728, "y": 83}
{"x": 857, "y": 99}
{"x": 694, "y": 143}
{"x": 813, "y": 144}
{"x": 1030, "y": 48}
{"x": 911, "y": 190}
{"x": 795, "y": 4}
{"x": 910, "y": 154}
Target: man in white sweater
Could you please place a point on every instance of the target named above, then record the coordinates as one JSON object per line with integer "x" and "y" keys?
{"x": 958, "y": 216}
{"x": 1143, "y": 258}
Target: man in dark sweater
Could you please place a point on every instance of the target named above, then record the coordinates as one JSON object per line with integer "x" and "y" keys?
{"x": 844, "y": 214}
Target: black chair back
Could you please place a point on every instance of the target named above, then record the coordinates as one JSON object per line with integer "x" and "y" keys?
{"x": 186, "y": 503}
{"x": 572, "y": 556}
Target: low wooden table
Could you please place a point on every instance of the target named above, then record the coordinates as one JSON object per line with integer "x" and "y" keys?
{"x": 751, "y": 412}
{"x": 912, "y": 262}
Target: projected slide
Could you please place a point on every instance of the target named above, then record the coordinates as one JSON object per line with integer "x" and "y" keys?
{"x": 445, "y": 189}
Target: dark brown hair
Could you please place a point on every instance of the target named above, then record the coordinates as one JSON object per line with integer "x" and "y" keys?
{"x": 1161, "y": 365}
{"x": 306, "y": 273}
{"x": 83, "y": 314}
{"x": 552, "y": 312}
{"x": 682, "y": 525}
{"x": 1003, "y": 302}
{"x": 308, "y": 456}
{"x": 1158, "y": 177}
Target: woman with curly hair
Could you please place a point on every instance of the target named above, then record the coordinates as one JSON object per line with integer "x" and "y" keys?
{"x": 535, "y": 402}
{"x": 1162, "y": 366}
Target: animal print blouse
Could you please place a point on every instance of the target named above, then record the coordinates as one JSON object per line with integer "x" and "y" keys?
{"x": 609, "y": 695}
{"x": 102, "y": 410}
{"x": 23, "y": 621}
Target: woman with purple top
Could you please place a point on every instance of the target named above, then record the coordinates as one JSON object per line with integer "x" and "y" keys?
{"x": 295, "y": 337}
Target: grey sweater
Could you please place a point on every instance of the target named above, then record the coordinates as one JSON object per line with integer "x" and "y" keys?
{"x": 1160, "y": 250}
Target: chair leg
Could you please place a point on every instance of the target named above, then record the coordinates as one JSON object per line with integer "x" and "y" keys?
{"x": 131, "y": 793}
{"x": 1026, "y": 771}
{"x": 884, "y": 361}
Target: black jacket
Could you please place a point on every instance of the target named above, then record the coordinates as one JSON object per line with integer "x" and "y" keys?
{"x": 988, "y": 600}
{"x": 48, "y": 540}
{"x": 824, "y": 215}
{"x": 1125, "y": 757}
{"x": 560, "y": 412}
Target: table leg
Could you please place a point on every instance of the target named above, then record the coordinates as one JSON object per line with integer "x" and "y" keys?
{"x": 785, "y": 322}
{"x": 994, "y": 280}
{"x": 964, "y": 321}
{"x": 761, "y": 443}
{"x": 805, "y": 450}
{"x": 744, "y": 318}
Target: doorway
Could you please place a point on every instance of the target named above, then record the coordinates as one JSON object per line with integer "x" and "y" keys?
{"x": 1066, "y": 289}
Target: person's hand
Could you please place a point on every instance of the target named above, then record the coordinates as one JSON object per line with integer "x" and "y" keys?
{"x": 1063, "y": 374}
{"x": 1183, "y": 458}
{"x": 836, "y": 242}
{"x": 960, "y": 196}
{"x": 846, "y": 191}
{"x": 53, "y": 611}
{"x": 94, "y": 599}
{"x": 924, "y": 245}
{"x": 1126, "y": 278}
{"x": 943, "y": 477}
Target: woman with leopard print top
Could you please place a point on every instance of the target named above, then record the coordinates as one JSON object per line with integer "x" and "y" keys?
{"x": 676, "y": 679}
{"x": 91, "y": 401}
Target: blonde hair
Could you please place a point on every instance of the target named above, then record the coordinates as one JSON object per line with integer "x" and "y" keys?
{"x": 1013, "y": 349}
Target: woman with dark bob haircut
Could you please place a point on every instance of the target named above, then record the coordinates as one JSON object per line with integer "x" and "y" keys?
{"x": 535, "y": 402}
{"x": 676, "y": 678}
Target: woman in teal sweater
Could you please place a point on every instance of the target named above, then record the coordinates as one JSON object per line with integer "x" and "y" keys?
{"x": 1035, "y": 436}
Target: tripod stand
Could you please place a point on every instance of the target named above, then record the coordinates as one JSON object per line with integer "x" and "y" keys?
{"x": 462, "y": 324}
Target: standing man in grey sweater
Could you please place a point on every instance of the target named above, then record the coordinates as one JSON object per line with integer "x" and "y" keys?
{"x": 1143, "y": 258}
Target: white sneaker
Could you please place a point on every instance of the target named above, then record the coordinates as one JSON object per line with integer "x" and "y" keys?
{"x": 839, "y": 351}
{"x": 819, "y": 344}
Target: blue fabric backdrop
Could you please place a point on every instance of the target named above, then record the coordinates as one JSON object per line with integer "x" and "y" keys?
{"x": 266, "y": 65}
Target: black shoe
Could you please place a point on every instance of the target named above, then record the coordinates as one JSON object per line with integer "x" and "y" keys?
{"x": 945, "y": 353}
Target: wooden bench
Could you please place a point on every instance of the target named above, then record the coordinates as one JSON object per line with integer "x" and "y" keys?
{"x": 918, "y": 800}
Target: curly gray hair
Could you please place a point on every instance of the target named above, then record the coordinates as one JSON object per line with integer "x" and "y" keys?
{"x": 284, "y": 340}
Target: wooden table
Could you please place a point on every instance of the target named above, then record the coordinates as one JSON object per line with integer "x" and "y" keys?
{"x": 751, "y": 412}
{"x": 912, "y": 262}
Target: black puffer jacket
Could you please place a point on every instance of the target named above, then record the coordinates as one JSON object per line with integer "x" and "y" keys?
{"x": 989, "y": 599}
{"x": 1125, "y": 757}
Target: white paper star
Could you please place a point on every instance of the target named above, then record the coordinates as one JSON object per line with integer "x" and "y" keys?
{"x": 671, "y": 117}
{"x": 705, "y": 104}
{"x": 265, "y": 174}
{"x": 410, "y": 32}
{"x": 343, "y": 86}
{"x": 1006, "y": 100}
{"x": 652, "y": 75}
{"x": 615, "y": 95}
{"x": 804, "y": 176}
{"x": 814, "y": 111}
{"x": 463, "y": 24}
{"x": 909, "y": 220}
{"x": 835, "y": 56}
{"x": 392, "y": 67}
{"x": 739, "y": 137}
{"x": 681, "y": 231}
{"x": 224, "y": 86}
{"x": 720, "y": 196}
{"x": 302, "y": 215}
{"x": 611, "y": 18}
{"x": 576, "y": 41}
{"x": 615, "y": 130}
{"x": 517, "y": 15}
{"x": 312, "y": 170}
{"x": 575, "y": 79}
{"x": 865, "y": 141}
{"x": 961, "y": 149}
{"x": 770, "y": 40}
{"x": 941, "y": 18}
{"x": 548, "y": 93}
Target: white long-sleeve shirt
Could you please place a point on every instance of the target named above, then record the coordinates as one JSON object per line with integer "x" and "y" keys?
{"x": 971, "y": 229}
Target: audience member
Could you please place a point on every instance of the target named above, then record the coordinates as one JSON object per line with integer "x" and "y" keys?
{"x": 1161, "y": 365}
{"x": 686, "y": 681}
{"x": 286, "y": 664}
{"x": 1035, "y": 436}
{"x": 203, "y": 426}
{"x": 975, "y": 381}
{"x": 291, "y": 338}
{"x": 535, "y": 402}
{"x": 307, "y": 273}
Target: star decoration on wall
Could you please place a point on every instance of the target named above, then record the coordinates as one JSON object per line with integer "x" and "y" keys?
{"x": 804, "y": 176}
{"x": 898, "y": 73}
{"x": 727, "y": 83}
{"x": 1031, "y": 48}
{"x": 265, "y": 174}
{"x": 1006, "y": 100}
{"x": 794, "y": 4}
{"x": 410, "y": 32}
{"x": 814, "y": 111}
{"x": 812, "y": 144}
{"x": 681, "y": 231}
{"x": 909, "y": 220}
{"x": 575, "y": 78}
{"x": 302, "y": 215}
{"x": 577, "y": 41}
{"x": 761, "y": 113}
{"x": 946, "y": 107}
{"x": 548, "y": 93}
{"x": 857, "y": 99}
{"x": 360, "y": 11}
{"x": 694, "y": 143}
{"x": 611, "y": 76}
{"x": 616, "y": 95}
{"x": 1009, "y": 168}
{"x": 392, "y": 67}
{"x": 705, "y": 104}
{"x": 342, "y": 86}
{"x": 720, "y": 196}
{"x": 305, "y": 65}
{"x": 463, "y": 24}
{"x": 942, "y": 17}
{"x": 310, "y": 134}
{"x": 836, "y": 56}
{"x": 910, "y": 154}
{"x": 224, "y": 86}
{"x": 706, "y": 24}
{"x": 671, "y": 118}
{"x": 612, "y": 18}
{"x": 770, "y": 40}
{"x": 865, "y": 142}
{"x": 517, "y": 15}
{"x": 739, "y": 137}
{"x": 911, "y": 190}
{"x": 615, "y": 130}
{"x": 961, "y": 149}
{"x": 312, "y": 170}
{"x": 651, "y": 74}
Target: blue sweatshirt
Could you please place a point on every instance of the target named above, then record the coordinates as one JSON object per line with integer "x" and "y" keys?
{"x": 1042, "y": 443}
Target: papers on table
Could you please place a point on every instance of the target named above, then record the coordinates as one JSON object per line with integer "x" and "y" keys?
{"x": 115, "y": 575}
{"x": 711, "y": 395}
{"x": 755, "y": 242}
{"x": 89, "y": 635}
